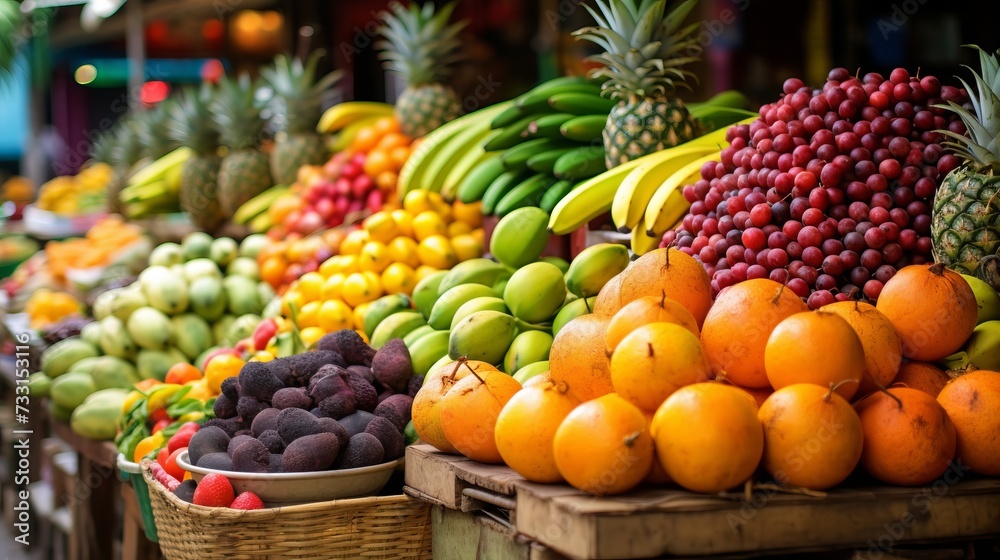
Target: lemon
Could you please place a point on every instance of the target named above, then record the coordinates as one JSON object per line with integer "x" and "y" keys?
{"x": 310, "y": 285}
{"x": 418, "y": 201}
{"x": 374, "y": 283}
{"x": 399, "y": 278}
{"x": 479, "y": 236}
{"x": 290, "y": 299}
{"x": 423, "y": 271}
{"x": 374, "y": 257}
{"x": 471, "y": 214}
{"x": 307, "y": 316}
{"x": 437, "y": 251}
{"x": 329, "y": 267}
{"x": 458, "y": 228}
{"x": 428, "y": 223}
{"x": 333, "y": 285}
{"x": 347, "y": 264}
{"x": 310, "y": 335}
{"x": 353, "y": 242}
{"x": 404, "y": 250}
{"x": 355, "y": 289}
{"x": 381, "y": 226}
{"x": 404, "y": 222}
{"x": 335, "y": 315}
{"x": 466, "y": 246}
{"x": 359, "y": 315}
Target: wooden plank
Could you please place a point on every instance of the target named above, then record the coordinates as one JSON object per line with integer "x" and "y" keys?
{"x": 442, "y": 477}
{"x": 101, "y": 453}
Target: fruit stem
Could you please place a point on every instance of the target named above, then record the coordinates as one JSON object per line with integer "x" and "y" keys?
{"x": 894, "y": 397}
{"x": 835, "y": 386}
{"x": 663, "y": 299}
{"x": 650, "y": 346}
{"x": 937, "y": 268}
{"x": 630, "y": 439}
{"x": 465, "y": 361}
{"x": 587, "y": 305}
{"x": 777, "y": 295}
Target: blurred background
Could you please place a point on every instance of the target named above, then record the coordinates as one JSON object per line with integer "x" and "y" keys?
{"x": 74, "y": 66}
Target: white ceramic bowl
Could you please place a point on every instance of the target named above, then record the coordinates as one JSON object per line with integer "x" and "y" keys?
{"x": 297, "y": 488}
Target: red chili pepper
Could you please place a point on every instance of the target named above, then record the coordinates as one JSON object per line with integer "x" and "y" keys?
{"x": 264, "y": 332}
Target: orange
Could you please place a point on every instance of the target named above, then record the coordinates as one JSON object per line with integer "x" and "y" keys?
{"x": 973, "y": 404}
{"x": 466, "y": 246}
{"x": 737, "y": 327}
{"x": 310, "y": 285}
{"x": 645, "y": 310}
{"x": 393, "y": 140}
{"x": 272, "y": 271}
{"x": 458, "y": 228}
{"x": 708, "y": 437}
{"x": 181, "y": 373}
{"x": 671, "y": 272}
{"x": 812, "y": 436}
{"x": 374, "y": 257}
{"x": 578, "y": 359}
{"x": 365, "y": 139}
{"x": 938, "y": 322}
{"x": 655, "y": 360}
{"x": 377, "y": 162}
{"x": 526, "y": 428}
{"x": 221, "y": 368}
{"x": 437, "y": 251}
{"x": 385, "y": 125}
{"x": 471, "y": 213}
{"x": 404, "y": 221}
{"x": 469, "y": 413}
{"x": 883, "y": 348}
{"x": 353, "y": 242}
{"x": 603, "y": 446}
{"x": 398, "y": 278}
{"x": 283, "y": 206}
{"x": 428, "y": 223}
{"x": 608, "y": 300}
{"x": 386, "y": 180}
{"x": 334, "y": 315}
{"x": 399, "y": 155}
{"x": 909, "y": 438}
{"x": 403, "y": 250}
{"x": 922, "y": 377}
{"x": 815, "y": 347}
{"x": 426, "y": 411}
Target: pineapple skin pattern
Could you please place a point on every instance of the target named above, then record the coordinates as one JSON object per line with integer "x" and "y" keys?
{"x": 637, "y": 127}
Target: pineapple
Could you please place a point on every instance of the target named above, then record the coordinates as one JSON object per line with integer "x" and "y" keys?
{"x": 123, "y": 153}
{"x": 421, "y": 47}
{"x": 244, "y": 171}
{"x": 645, "y": 48}
{"x": 965, "y": 223}
{"x": 191, "y": 125}
{"x": 297, "y": 105}
{"x": 150, "y": 125}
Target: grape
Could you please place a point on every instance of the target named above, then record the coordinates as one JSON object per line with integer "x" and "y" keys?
{"x": 820, "y": 298}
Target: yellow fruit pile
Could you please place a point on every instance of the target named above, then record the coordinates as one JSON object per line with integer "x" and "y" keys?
{"x": 45, "y": 307}
{"x": 82, "y": 193}
{"x": 106, "y": 239}
{"x": 389, "y": 254}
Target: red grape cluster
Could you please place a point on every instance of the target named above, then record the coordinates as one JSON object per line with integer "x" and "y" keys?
{"x": 829, "y": 192}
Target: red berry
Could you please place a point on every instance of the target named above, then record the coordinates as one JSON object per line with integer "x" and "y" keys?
{"x": 214, "y": 491}
{"x": 247, "y": 500}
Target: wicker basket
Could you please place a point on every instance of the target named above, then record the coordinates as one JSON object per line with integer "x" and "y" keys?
{"x": 389, "y": 527}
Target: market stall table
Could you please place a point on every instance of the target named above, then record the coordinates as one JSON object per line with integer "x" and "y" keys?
{"x": 556, "y": 521}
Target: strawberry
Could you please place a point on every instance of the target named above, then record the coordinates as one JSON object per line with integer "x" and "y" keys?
{"x": 214, "y": 491}
{"x": 247, "y": 500}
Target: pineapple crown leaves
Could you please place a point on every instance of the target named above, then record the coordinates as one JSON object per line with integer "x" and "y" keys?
{"x": 191, "y": 119}
{"x": 150, "y": 125}
{"x": 982, "y": 145}
{"x": 298, "y": 95}
{"x": 236, "y": 111}
{"x": 103, "y": 147}
{"x": 645, "y": 46}
{"x": 125, "y": 151}
{"x": 419, "y": 43}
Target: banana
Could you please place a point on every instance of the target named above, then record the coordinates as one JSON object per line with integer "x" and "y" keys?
{"x": 499, "y": 187}
{"x": 531, "y": 370}
{"x": 555, "y": 193}
{"x": 637, "y": 188}
{"x": 713, "y": 118}
{"x": 527, "y": 347}
{"x": 986, "y": 298}
{"x": 258, "y": 204}
{"x": 442, "y": 361}
{"x": 425, "y": 293}
{"x": 463, "y": 167}
{"x": 520, "y": 237}
{"x": 516, "y": 158}
{"x": 161, "y": 168}
{"x": 642, "y": 243}
{"x": 728, "y": 98}
{"x": 449, "y": 302}
{"x": 587, "y": 128}
{"x": 487, "y": 303}
{"x": 544, "y": 162}
{"x": 344, "y": 114}
{"x": 507, "y": 117}
{"x": 383, "y": 307}
{"x": 261, "y": 223}
{"x": 478, "y": 179}
{"x": 535, "y": 292}
{"x": 538, "y": 98}
{"x": 580, "y": 163}
{"x": 668, "y": 201}
{"x": 397, "y": 325}
{"x": 473, "y": 271}
{"x": 484, "y": 335}
{"x": 981, "y": 351}
{"x": 571, "y": 311}
{"x": 342, "y": 140}
{"x": 428, "y": 349}
{"x": 416, "y": 334}
{"x": 581, "y": 103}
{"x": 547, "y": 126}
{"x": 512, "y": 134}
{"x": 468, "y": 140}
{"x": 528, "y": 193}
{"x": 594, "y": 266}
{"x": 588, "y": 199}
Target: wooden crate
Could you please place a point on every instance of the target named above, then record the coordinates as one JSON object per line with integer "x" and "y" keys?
{"x": 667, "y": 522}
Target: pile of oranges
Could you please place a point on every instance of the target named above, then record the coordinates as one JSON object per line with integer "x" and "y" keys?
{"x": 388, "y": 254}
{"x": 775, "y": 390}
